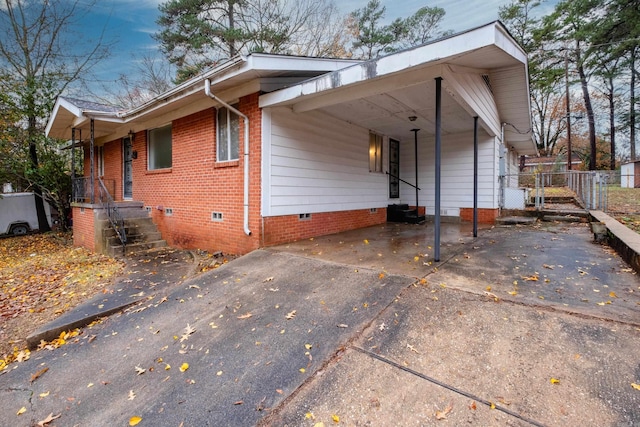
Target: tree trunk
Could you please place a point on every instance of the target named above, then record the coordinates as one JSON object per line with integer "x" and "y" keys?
{"x": 632, "y": 106}
{"x": 43, "y": 223}
{"x": 589, "y": 108}
{"x": 612, "y": 124}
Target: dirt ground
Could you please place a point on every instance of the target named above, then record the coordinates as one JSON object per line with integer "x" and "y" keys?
{"x": 41, "y": 277}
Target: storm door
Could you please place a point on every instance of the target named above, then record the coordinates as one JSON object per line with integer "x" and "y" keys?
{"x": 394, "y": 169}
{"x": 127, "y": 169}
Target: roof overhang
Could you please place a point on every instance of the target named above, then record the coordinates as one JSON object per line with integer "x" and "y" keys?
{"x": 484, "y": 74}
{"x": 237, "y": 77}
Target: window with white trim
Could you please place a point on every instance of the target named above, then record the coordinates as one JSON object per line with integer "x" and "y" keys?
{"x": 228, "y": 135}
{"x": 375, "y": 152}
{"x": 160, "y": 148}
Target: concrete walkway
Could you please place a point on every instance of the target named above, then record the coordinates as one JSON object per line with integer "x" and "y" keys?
{"x": 363, "y": 328}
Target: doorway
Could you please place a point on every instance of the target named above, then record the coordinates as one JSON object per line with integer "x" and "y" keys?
{"x": 127, "y": 169}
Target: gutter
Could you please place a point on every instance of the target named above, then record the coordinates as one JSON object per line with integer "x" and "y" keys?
{"x": 207, "y": 91}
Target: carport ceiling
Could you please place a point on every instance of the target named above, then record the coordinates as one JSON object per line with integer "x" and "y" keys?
{"x": 388, "y": 113}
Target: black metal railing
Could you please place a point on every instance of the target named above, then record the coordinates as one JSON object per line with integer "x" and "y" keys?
{"x": 113, "y": 214}
{"x": 82, "y": 190}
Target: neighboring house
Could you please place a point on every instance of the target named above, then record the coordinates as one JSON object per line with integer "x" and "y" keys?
{"x": 267, "y": 149}
{"x": 630, "y": 174}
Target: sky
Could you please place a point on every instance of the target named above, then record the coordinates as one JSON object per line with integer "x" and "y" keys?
{"x": 131, "y": 24}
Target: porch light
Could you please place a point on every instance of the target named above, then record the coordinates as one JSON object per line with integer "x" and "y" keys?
{"x": 131, "y": 135}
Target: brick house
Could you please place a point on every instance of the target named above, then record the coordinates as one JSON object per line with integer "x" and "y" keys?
{"x": 266, "y": 149}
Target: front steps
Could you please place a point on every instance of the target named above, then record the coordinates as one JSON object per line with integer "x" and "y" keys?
{"x": 142, "y": 234}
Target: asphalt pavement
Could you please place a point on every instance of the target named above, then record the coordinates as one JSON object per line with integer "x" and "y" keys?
{"x": 533, "y": 325}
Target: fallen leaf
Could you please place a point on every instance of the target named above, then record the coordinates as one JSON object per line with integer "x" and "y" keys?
{"x": 133, "y": 421}
{"x": 533, "y": 278}
{"x": 245, "y": 316}
{"x": 342, "y": 325}
{"x": 513, "y": 292}
{"x": 22, "y": 410}
{"x": 335, "y": 418}
{"x": 45, "y": 394}
{"x": 473, "y": 406}
{"x": 49, "y": 418}
{"x": 187, "y": 332}
{"x": 239, "y": 402}
{"x": 302, "y": 370}
{"x": 140, "y": 370}
{"x": 636, "y": 386}
{"x": 366, "y": 242}
{"x": 554, "y": 381}
{"x": 412, "y": 348}
{"x": 132, "y": 395}
{"x": 442, "y": 415}
{"x": 613, "y": 294}
{"x": 290, "y": 315}
{"x": 309, "y": 416}
{"x": 308, "y": 346}
{"x": 38, "y": 374}
{"x": 268, "y": 279}
{"x": 492, "y": 405}
{"x": 184, "y": 367}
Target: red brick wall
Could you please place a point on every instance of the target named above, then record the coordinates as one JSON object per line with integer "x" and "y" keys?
{"x": 288, "y": 228}
{"x": 83, "y": 228}
{"x": 196, "y": 185}
{"x": 485, "y": 216}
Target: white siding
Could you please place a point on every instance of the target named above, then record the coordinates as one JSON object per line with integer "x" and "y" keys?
{"x": 457, "y": 173}
{"x": 313, "y": 162}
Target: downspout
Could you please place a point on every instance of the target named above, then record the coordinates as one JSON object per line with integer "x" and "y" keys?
{"x": 207, "y": 91}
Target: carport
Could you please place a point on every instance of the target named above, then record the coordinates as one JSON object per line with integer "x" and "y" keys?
{"x": 470, "y": 84}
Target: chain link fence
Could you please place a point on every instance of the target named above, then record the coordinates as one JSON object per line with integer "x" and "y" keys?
{"x": 548, "y": 190}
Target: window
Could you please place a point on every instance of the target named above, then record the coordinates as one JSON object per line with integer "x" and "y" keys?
{"x": 160, "y": 148}
{"x": 375, "y": 152}
{"x": 228, "y": 135}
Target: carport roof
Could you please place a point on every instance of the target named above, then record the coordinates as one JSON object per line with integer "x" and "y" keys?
{"x": 381, "y": 94}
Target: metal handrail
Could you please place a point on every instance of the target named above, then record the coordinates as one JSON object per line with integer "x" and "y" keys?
{"x": 400, "y": 179}
{"x": 115, "y": 218}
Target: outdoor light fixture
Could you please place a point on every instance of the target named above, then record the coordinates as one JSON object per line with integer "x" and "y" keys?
{"x": 132, "y": 135}
{"x": 412, "y": 118}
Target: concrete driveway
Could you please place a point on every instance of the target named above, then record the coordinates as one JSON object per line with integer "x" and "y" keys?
{"x": 357, "y": 329}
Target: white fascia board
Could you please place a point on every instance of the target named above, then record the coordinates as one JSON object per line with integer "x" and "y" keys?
{"x": 419, "y": 56}
{"x": 61, "y": 102}
{"x": 267, "y": 62}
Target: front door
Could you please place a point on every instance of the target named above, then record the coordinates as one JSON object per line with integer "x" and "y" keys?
{"x": 127, "y": 168}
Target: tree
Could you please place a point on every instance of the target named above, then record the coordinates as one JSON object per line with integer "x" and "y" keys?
{"x": 545, "y": 73}
{"x": 198, "y": 34}
{"x": 37, "y": 65}
{"x": 571, "y": 24}
{"x": 372, "y": 38}
{"x": 422, "y": 26}
{"x": 616, "y": 38}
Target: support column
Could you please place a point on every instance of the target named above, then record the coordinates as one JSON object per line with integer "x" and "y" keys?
{"x": 91, "y": 167}
{"x": 475, "y": 176}
{"x": 415, "y": 139}
{"x": 438, "y": 155}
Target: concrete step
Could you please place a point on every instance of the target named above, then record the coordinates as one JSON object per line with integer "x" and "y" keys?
{"x": 116, "y": 250}
{"x": 513, "y": 220}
